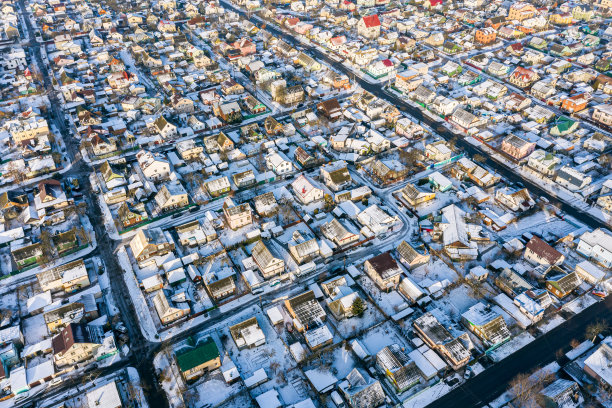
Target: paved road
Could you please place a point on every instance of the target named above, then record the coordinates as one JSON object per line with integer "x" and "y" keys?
{"x": 416, "y": 113}
{"x": 493, "y": 381}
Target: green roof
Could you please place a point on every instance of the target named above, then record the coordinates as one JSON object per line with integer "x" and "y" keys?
{"x": 564, "y": 123}
{"x": 203, "y": 352}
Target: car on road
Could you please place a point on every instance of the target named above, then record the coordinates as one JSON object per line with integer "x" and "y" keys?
{"x": 274, "y": 283}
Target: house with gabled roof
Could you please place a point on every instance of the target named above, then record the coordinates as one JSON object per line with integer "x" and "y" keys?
{"x": 305, "y": 190}
{"x": 437, "y": 337}
{"x": 487, "y": 324}
{"x": 305, "y": 310}
{"x": 197, "y": 358}
{"x": 266, "y": 262}
{"x": 410, "y": 257}
{"x": 539, "y": 252}
{"x": 369, "y": 26}
{"x": 563, "y": 285}
{"x": 401, "y": 371}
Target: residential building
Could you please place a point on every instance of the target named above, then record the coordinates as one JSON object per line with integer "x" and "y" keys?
{"x": 543, "y": 162}
{"x": 73, "y": 345}
{"x": 150, "y": 242}
{"x": 198, "y": 358}
{"x": 410, "y": 257}
{"x": 401, "y": 371}
{"x": 597, "y": 246}
{"x": 305, "y": 191}
{"x": 267, "y": 263}
{"x": 539, "y": 252}
{"x": 171, "y": 196}
{"x": 247, "y": 334}
{"x": 516, "y": 147}
{"x": 361, "y": 390}
{"x": 437, "y": 337}
{"x": 237, "y": 216}
{"x": 487, "y": 324}
{"x": 384, "y": 271}
{"x": 563, "y": 285}
{"x": 369, "y": 27}
{"x": 572, "y": 179}
{"x": 306, "y": 311}
{"x": 168, "y": 313}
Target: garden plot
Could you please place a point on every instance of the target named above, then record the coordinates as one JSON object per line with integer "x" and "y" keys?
{"x": 390, "y": 302}
{"x": 351, "y": 326}
{"x": 381, "y": 336}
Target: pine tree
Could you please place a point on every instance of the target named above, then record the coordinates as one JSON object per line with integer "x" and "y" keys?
{"x": 358, "y": 307}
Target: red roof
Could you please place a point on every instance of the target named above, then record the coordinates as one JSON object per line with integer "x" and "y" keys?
{"x": 435, "y": 2}
{"x": 517, "y": 46}
{"x": 371, "y": 21}
{"x": 387, "y": 63}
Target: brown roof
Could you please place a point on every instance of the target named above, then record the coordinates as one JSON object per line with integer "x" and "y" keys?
{"x": 543, "y": 250}
{"x": 71, "y": 334}
{"x": 384, "y": 265}
{"x": 50, "y": 187}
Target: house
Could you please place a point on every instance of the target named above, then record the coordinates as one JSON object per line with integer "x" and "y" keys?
{"x": 278, "y": 164}
{"x": 516, "y": 147}
{"x": 73, "y": 345}
{"x": 416, "y": 196}
{"x": 188, "y": 150}
{"x": 218, "y": 143}
{"x": 154, "y": 166}
{"x": 244, "y": 179}
{"x": 150, "y": 242}
{"x": 336, "y": 175}
{"x": 305, "y": 191}
{"x": 330, "y": 109}
{"x": 67, "y": 278}
{"x": 303, "y": 249}
{"x": 247, "y": 334}
{"x": 384, "y": 271}
{"x": 381, "y": 68}
{"x": 305, "y": 310}
{"x": 106, "y": 396}
{"x": 265, "y": 204}
{"x": 575, "y": 103}
{"x": 166, "y": 129}
{"x": 487, "y": 324}
{"x": 599, "y": 364}
{"x": 603, "y": 114}
{"x": 572, "y": 179}
{"x": 543, "y": 162}
{"x": 539, "y": 252}
{"x": 193, "y": 234}
{"x": 375, "y": 221}
{"x": 338, "y": 234}
{"x": 438, "y": 338}
{"x": 597, "y": 246}
{"x": 400, "y": 370}
{"x": 168, "y": 313}
{"x": 218, "y": 186}
{"x": 563, "y": 285}
{"x": 237, "y": 216}
{"x": 438, "y": 151}
{"x": 521, "y": 11}
{"x": 466, "y": 120}
{"x": 361, "y": 390}
{"x": 198, "y": 358}
{"x": 515, "y": 200}
{"x": 523, "y": 77}
{"x": 58, "y": 315}
{"x": 26, "y": 252}
{"x": 589, "y": 272}
{"x": 130, "y": 215}
{"x": 458, "y": 237}
{"x": 221, "y": 288}
{"x": 410, "y": 257}
{"x": 171, "y": 196}
{"x": 267, "y": 263}
{"x": 561, "y": 393}
{"x": 485, "y": 35}
{"x": 369, "y": 27}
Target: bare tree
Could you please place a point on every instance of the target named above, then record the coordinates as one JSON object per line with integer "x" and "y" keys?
{"x": 595, "y": 329}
